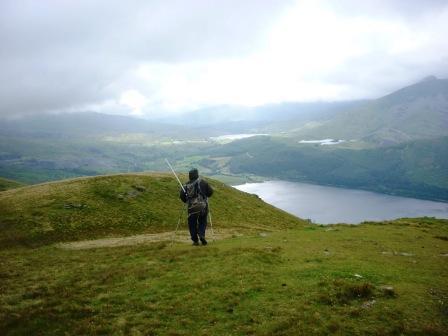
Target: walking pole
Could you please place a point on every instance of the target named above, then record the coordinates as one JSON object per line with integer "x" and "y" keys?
{"x": 183, "y": 208}
{"x": 211, "y": 223}
{"x": 178, "y": 223}
{"x": 181, "y": 185}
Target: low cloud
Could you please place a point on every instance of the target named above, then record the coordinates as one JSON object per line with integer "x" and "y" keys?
{"x": 144, "y": 58}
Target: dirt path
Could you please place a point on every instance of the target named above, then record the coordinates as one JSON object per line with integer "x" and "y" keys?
{"x": 181, "y": 236}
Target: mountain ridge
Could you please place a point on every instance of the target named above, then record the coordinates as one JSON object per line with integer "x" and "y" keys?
{"x": 417, "y": 111}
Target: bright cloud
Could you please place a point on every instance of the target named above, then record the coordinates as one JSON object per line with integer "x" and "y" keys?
{"x": 134, "y": 100}
{"x": 300, "y": 60}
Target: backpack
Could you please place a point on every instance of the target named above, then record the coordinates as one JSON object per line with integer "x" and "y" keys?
{"x": 197, "y": 202}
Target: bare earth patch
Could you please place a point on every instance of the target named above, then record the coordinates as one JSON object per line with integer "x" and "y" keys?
{"x": 180, "y": 236}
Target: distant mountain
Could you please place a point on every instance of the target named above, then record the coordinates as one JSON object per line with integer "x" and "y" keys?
{"x": 417, "y": 111}
{"x": 89, "y": 124}
{"x": 198, "y": 124}
{"x": 260, "y": 116}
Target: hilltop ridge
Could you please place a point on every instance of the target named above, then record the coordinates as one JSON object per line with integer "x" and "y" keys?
{"x": 122, "y": 204}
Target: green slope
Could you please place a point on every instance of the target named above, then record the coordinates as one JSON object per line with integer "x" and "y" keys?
{"x": 6, "y": 184}
{"x": 373, "y": 279}
{"x": 385, "y": 278}
{"x": 120, "y": 205}
{"x": 415, "y": 169}
{"x": 418, "y": 111}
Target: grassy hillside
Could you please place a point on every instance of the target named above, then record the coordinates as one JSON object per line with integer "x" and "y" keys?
{"x": 120, "y": 204}
{"x": 277, "y": 276}
{"x": 6, "y": 184}
{"x": 373, "y": 279}
{"x": 47, "y": 158}
{"x": 415, "y": 169}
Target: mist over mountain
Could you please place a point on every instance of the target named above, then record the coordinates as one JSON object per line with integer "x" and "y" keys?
{"x": 260, "y": 116}
{"x": 211, "y": 121}
{"x": 90, "y": 124}
{"x": 417, "y": 111}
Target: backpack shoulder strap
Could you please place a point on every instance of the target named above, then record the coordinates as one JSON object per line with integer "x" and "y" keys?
{"x": 193, "y": 184}
{"x": 199, "y": 188}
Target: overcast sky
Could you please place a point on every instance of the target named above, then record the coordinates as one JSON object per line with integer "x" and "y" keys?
{"x": 156, "y": 57}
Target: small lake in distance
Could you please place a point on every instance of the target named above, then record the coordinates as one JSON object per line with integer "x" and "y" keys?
{"x": 325, "y": 205}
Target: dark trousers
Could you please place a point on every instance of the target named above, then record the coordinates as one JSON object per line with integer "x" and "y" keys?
{"x": 197, "y": 224}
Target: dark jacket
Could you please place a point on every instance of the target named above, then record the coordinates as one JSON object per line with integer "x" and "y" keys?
{"x": 206, "y": 190}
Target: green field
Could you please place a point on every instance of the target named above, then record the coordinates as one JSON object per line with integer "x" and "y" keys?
{"x": 272, "y": 275}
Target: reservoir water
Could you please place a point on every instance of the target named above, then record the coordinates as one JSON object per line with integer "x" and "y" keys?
{"x": 327, "y": 205}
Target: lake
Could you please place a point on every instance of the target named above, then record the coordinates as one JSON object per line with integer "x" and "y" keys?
{"x": 232, "y": 137}
{"x": 327, "y": 205}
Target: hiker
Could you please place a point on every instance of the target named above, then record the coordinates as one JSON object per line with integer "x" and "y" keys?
{"x": 196, "y": 193}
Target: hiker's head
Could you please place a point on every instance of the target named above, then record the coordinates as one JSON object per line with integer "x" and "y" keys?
{"x": 193, "y": 174}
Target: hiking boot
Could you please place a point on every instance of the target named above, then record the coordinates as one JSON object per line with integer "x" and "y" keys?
{"x": 203, "y": 241}
{"x": 195, "y": 243}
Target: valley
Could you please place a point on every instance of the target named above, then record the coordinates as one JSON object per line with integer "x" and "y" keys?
{"x": 255, "y": 146}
